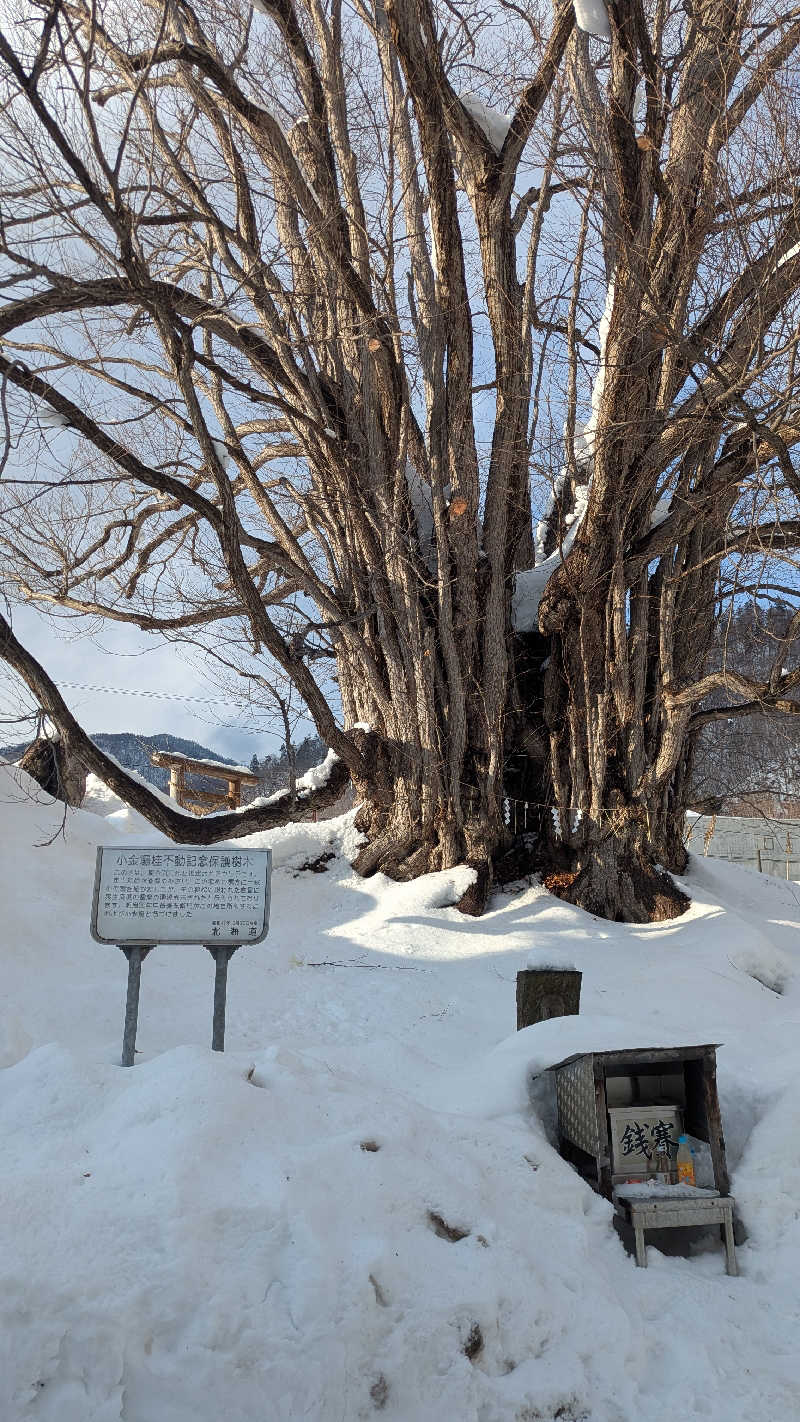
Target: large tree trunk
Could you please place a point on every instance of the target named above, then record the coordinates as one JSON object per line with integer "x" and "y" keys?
{"x": 316, "y": 305}
{"x": 615, "y": 874}
{"x": 413, "y": 824}
{"x": 615, "y": 751}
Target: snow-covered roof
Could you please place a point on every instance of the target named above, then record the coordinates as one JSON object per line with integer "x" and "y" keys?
{"x": 217, "y": 767}
{"x": 669, "y": 1051}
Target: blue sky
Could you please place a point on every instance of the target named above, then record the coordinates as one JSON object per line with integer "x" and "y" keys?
{"x": 143, "y": 675}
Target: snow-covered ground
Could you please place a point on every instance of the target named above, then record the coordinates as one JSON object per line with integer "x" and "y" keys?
{"x": 258, "y": 1235}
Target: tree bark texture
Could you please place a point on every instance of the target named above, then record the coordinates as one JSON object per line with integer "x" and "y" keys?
{"x": 59, "y": 774}
{"x": 389, "y": 352}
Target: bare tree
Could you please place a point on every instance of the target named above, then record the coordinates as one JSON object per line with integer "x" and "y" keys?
{"x": 684, "y": 465}
{"x": 744, "y": 762}
{"x": 270, "y": 703}
{"x": 306, "y": 310}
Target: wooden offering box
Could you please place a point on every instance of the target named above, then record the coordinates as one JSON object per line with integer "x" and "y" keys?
{"x": 646, "y": 1078}
{"x": 634, "y": 1134}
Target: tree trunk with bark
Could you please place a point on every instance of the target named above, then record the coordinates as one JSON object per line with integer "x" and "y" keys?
{"x": 424, "y": 808}
{"x": 397, "y": 357}
{"x": 48, "y": 762}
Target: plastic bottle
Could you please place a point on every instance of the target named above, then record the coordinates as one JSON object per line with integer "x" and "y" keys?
{"x": 685, "y": 1162}
{"x": 662, "y": 1163}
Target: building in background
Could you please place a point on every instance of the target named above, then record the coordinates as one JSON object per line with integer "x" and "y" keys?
{"x": 760, "y": 842}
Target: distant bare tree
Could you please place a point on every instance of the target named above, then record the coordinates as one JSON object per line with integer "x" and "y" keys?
{"x": 743, "y": 761}
{"x": 300, "y": 323}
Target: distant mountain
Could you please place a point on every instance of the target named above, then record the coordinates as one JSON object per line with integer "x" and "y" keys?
{"x": 134, "y": 753}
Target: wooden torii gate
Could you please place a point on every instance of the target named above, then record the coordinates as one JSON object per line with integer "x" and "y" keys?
{"x": 203, "y": 801}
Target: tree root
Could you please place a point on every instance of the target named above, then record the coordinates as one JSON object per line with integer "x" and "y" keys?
{"x": 405, "y": 856}
{"x": 474, "y": 899}
{"x": 633, "y": 892}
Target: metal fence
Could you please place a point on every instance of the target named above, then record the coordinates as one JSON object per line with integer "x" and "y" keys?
{"x": 769, "y": 864}
{"x": 756, "y": 842}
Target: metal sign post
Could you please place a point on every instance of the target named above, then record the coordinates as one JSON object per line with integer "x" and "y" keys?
{"x": 135, "y": 955}
{"x": 222, "y": 957}
{"x": 217, "y": 897}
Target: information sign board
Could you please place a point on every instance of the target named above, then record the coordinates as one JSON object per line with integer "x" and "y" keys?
{"x": 181, "y": 894}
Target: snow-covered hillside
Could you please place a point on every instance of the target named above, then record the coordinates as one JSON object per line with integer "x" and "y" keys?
{"x": 260, "y": 1235}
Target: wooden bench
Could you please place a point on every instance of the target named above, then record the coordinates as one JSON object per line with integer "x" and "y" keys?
{"x": 675, "y": 1207}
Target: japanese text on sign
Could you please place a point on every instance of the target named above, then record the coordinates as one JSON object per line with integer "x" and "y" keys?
{"x": 181, "y": 895}
{"x": 645, "y": 1140}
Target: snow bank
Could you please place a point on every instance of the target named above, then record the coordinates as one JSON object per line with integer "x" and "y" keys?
{"x": 147, "y": 785}
{"x": 358, "y": 1207}
{"x": 101, "y": 800}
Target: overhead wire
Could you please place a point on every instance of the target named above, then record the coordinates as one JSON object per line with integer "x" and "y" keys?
{"x": 156, "y": 695}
